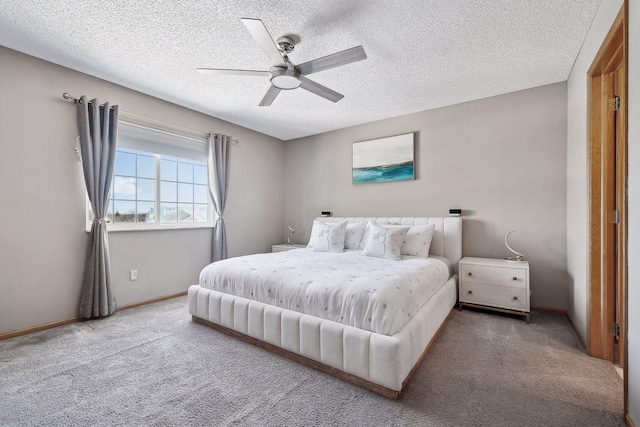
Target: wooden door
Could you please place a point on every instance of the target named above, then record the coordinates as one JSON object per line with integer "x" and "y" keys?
{"x": 607, "y": 210}
{"x": 619, "y": 287}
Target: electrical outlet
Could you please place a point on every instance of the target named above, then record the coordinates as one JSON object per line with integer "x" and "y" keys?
{"x": 133, "y": 275}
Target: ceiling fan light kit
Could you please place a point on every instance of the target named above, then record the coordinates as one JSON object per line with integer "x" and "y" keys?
{"x": 285, "y": 78}
{"x": 284, "y": 75}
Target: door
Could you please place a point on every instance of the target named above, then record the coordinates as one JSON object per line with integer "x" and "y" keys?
{"x": 621, "y": 220}
{"x": 607, "y": 210}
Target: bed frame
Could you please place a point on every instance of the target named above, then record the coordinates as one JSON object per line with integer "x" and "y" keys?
{"x": 380, "y": 363}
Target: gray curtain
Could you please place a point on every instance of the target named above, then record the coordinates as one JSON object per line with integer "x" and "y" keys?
{"x": 218, "y": 165}
{"x": 98, "y": 128}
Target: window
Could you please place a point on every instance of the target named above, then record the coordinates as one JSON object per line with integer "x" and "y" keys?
{"x": 159, "y": 181}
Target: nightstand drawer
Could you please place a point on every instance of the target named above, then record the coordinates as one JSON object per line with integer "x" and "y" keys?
{"x": 497, "y": 296}
{"x": 512, "y": 277}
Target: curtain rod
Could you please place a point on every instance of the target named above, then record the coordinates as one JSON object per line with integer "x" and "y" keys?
{"x": 69, "y": 97}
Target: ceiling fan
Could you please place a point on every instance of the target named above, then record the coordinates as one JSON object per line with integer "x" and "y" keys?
{"x": 284, "y": 75}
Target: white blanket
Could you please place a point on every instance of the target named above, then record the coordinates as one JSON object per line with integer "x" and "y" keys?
{"x": 375, "y": 294}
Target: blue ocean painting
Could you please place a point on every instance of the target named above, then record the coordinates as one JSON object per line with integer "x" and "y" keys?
{"x": 383, "y": 160}
{"x": 400, "y": 172}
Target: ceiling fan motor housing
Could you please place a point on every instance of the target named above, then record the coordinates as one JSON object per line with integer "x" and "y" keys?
{"x": 286, "y": 44}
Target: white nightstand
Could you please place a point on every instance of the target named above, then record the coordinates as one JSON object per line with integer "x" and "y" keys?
{"x": 284, "y": 247}
{"x": 495, "y": 284}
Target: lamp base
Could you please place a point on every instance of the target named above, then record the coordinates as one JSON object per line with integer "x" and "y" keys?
{"x": 515, "y": 259}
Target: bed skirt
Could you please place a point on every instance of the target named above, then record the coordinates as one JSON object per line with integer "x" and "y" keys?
{"x": 385, "y": 361}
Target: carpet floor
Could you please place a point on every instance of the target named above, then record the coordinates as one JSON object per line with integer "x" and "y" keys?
{"x": 153, "y": 366}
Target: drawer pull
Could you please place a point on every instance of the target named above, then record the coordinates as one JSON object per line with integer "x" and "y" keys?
{"x": 515, "y": 278}
{"x": 470, "y": 292}
{"x": 515, "y": 298}
{"x": 470, "y": 274}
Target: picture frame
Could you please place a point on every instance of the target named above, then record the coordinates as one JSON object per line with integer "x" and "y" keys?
{"x": 385, "y": 159}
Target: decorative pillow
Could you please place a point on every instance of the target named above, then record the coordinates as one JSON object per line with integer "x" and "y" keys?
{"x": 353, "y": 235}
{"x": 314, "y": 232}
{"x": 327, "y": 237}
{"x": 384, "y": 242}
{"x": 365, "y": 235}
{"x": 418, "y": 239}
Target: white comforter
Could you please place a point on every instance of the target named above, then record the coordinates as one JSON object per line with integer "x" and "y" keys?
{"x": 375, "y": 294}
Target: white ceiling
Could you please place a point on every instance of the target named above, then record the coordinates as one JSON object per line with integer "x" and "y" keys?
{"x": 422, "y": 54}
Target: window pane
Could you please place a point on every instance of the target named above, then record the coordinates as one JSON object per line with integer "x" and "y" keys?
{"x": 169, "y": 191}
{"x": 124, "y": 188}
{"x": 146, "y": 212}
{"x": 185, "y": 172}
{"x": 185, "y": 193}
{"x": 125, "y": 164}
{"x": 185, "y": 212}
{"x": 168, "y": 213}
{"x": 200, "y": 193}
{"x": 124, "y": 211}
{"x": 169, "y": 170}
{"x": 146, "y": 189}
{"x": 109, "y": 214}
{"x": 200, "y": 174}
{"x": 146, "y": 167}
{"x": 200, "y": 213}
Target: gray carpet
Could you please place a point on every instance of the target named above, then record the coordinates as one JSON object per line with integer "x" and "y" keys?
{"x": 153, "y": 366}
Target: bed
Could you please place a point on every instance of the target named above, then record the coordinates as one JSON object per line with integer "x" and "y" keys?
{"x": 366, "y": 320}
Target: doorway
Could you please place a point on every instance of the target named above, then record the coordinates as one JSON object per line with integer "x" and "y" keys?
{"x": 607, "y": 109}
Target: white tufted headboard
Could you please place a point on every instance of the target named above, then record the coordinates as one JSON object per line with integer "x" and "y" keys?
{"x": 447, "y": 237}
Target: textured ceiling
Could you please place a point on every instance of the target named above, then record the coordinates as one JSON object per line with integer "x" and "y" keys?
{"x": 422, "y": 54}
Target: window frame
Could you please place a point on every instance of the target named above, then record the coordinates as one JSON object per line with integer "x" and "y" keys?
{"x": 158, "y": 224}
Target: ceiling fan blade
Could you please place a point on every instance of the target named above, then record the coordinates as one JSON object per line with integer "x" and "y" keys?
{"x": 269, "y": 96}
{"x": 320, "y": 90}
{"x": 232, "y": 72}
{"x": 265, "y": 41}
{"x": 331, "y": 61}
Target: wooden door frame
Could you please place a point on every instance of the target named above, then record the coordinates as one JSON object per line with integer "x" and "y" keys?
{"x": 612, "y": 54}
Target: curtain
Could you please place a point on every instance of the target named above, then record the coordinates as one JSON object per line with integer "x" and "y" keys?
{"x": 218, "y": 165}
{"x": 98, "y": 128}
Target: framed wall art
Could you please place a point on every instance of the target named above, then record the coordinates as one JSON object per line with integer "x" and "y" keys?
{"x": 383, "y": 160}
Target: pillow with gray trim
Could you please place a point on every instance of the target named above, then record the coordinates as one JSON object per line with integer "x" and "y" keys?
{"x": 384, "y": 242}
{"x": 327, "y": 237}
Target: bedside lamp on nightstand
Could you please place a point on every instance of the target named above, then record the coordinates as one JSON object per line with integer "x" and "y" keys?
{"x": 291, "y": 232}
{"x": 519, "y": 257}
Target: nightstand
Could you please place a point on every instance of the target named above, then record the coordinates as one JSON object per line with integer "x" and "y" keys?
{"x": 495, "y": 284}
{"x": 284, "y": 247}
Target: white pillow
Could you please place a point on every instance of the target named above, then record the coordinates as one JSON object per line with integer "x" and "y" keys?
{"x": 365, "y": 235}
{"x": 418, "y": 239}
{"x": 353, "y": 235}
{"x": 384, "y": 242}
{"x": 312, "y": 236}
{"x": 327, "y": 237}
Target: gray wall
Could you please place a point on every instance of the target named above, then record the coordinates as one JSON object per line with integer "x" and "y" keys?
{"x": 42, "y": 198}
{"x": 501, "y": 159}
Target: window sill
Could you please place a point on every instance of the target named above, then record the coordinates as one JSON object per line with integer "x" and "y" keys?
{"x": 112, "y": 229}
